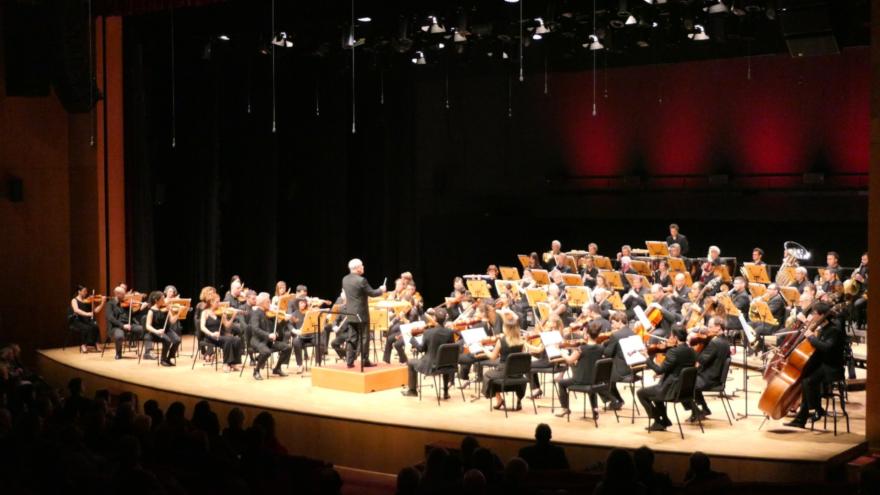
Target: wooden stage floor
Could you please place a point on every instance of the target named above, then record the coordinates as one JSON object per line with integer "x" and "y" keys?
{"x": 384, "y": 431}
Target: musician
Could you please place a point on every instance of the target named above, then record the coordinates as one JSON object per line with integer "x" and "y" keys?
{"x": 801, "y": 311}
{"x": 832, "y": 260}
{"x": 397, "y": 293}
{"x": 675, "y": 237}
{"x": 119, "y": 321}
{"x": 600, "y": 300}
{"x": 492, "y": 272}
{"x": 510, "y": 343}
{"x": 172, "y": 293}
{"x": 661, "y": 274}
{"x": 801, "y": 281}
{"x": 740, "y": 298}
{"x": 160, "y": 319}
{"x": 680, "y": 292}
{"x": 626, "y": 269}
{"x": 264, "y": 339}
{"x": 758, "y": 256}
{"x": 535, "y": 261}
{"x": 219, "y": 332}
{"x": 592, "y": 249}
{"x": 432, "y": 339}
{"x": 710, "y": 364}
{"x": 830, "y": 283}
{"x": 620, "y": 369}
{"x": 235, "y": 297}
{"x": 280, "y": 290}
{"x": 453, "y": 310}
{"x": 394, "y": 336}
{"x": 594, "y": 312}
{"x": 678, "y": 357}
{"x": 625, "y": 252}
{"x": 776, "y": 303}
{"x": 667, "y": 306}
{"x": 713, "y": 259}
{"x": 635, "y": 297}
{"x": 82, "y": 318}
{"x": 860, "y": 304}
{"x": 555, "y": 249}
{"x": 539, "y": 353}
{"x": 589, "y": 272}
{"x": 357, "y": 291}
{"x": 297, "y": 319}
{"x": 826, "y": 364}
{"x": 582, "y": 361}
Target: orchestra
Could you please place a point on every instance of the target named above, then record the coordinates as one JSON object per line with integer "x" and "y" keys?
{"x": 687, "y": 312}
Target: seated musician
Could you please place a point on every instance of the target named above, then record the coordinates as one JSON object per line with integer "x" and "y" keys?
{"x": 159, "y": 321}
{"x": 394, "y": 336}
{"x": 589, "y": 272}
{"x": 667, "y": 306}
{"x": 296, "y": 325}
{"x": 661, "y": 275}
{"x": 120, "y": 322}
{"x": 713, "y": 260}
{"x": 172, "y": 293}
{"x": 600, "y": 298}
{"x": 555, "y": 249}
{"x": 539, "y": 354}
{"x": 219, "y": 332}
{"x": 620, "y": 370}
{"x": 592, "y": 249}
{"x": 625, "y": 252}
{"x": 280, "y": 290}
{"x": 832, "y": 260}
{"x": 830, "y": 284}
{"x": 710, "y": 364}
{"x": 826, "y": 364}
{"x": 675, "y": 237}
{"x": 740, "y": 298}
{"x": 582, "y": 361}
{"x": 265, "y": 339}
{"x": 801, "y": 281}
{"x": 397, "y": 293}
{"x": 594, "y": 312}
{"x": 635, "y": 297}
{"x": 491, "y": 273}
{"x": 535, "y": 261}
{"x": 432, "y": 339}
{"x": 860, "y": 304}
{"x": 678, "y": 357}
{"x": 82, "y": 318}
{"x": 510, "y": 343}
{"x": 776, "y": 303}
{"x": 758, "y": 256}
{"x": 235, "y": 297}
{"x": 801, "y": 311}
{"x": 680, "y": 292}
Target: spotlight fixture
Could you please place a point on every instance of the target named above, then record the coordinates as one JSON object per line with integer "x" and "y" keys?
{"x": 631, "y": 20}
{"x": 699, "y": 33}
{"x": 718, "y": 7}
{"x": 441, "y": 45}
{"x": 511, "y": 1}
{"x": 282, "y": 39}
{"x": 593, "y": 43}
{"x": 365, "y": 19}
{"x": 541, "y": 28}
{"x": 459, "y": 37}
{"x": 419, "y": 58}
{"x": 223, "y": 37}
{"x": 434, "y": 27}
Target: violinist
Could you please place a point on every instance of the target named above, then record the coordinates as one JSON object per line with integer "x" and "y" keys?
{"x": 680, "y": 292}
{"x": 600, "y": 299}
{"x": 713, "y": 260}
{"x": 120, "y": 322}
{"x": 160, "y": 319}
{"x": 710, "y": 364}
{"x": 235, "y": 297}
{"x": 589, "y": 272}
{"x": 510, "y": 343}
{"x": 432, "y": 339}
{"x": 551, "y": 260}
{"x": 620, "y": 370}
{"x": 667, "y": 305}
{"x": 675, "y": 237}
{"x": 825, "y": 333}
{"x": 82, "y": 317}
{"x": 280, "y": 290}
{"x": 219, "y": 333}
{"x": 678, "y": 357}
{"x": 265, "y": 339}
{"x": 300, "y": 341}
{"x": 594, "y": 313}
{"x": 539, "y": 353}
{"x": 453, "y": 307}
{"x": 394, "y": 338}
{"x": 635, "y": 297}
{"x": 172, "y": 293}
{"x": 582, "y": 361}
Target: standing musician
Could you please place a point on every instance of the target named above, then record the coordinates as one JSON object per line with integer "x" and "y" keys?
{"x": 758, "y": 256}
{"x": 582, "y": 361}
{"x": 82, "y": 317}
{"x": 265, "y": 338}
{"x": 678, "y": 357}
{"x": 357, "y": 291}
{"x": 432, "y": 339}
{"x": 220, "y": 333}
{"x": 620, "y": 370}
{"x": 826, "y": 365}
{"x": 675, "y": 237}
{"x": 160, "y": 320}
{"x": 710, "y": 364}
{"x": 120, "y": 322}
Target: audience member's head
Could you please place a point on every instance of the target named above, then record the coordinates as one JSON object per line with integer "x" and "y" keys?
{"x": 516, "y": 471}
{"x": 543, "y": 433}
{"x": 474, "y": 482}
{"x": 235, "y": 419}
{"x": 408, "y": 481}
{"x": 618, "y": 467}
{"x": 700, "y": 465}
{"x": 643, "y": 458}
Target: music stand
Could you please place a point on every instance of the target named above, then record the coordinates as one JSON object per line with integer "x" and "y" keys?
{"x": 534, "y": 296}
{"x": 577, "y": 295}
{"x": 501, "y": 285}
{"x": 478, "y": 288}
{"x": 571, "y": 263}
{"x": 641, "y": 267}
{"x": 602, "y": 262}
{"x": 612, "y": 279}
{"x": 572, "y": 279}
{"x": 676, "y": 265}
{"x": 616, "y": 302}
{"x": 657, "y": 249}
{"x": 312, "y": 326}
{"x": 756, "y": 273}
{"x": 790, "y": 294}
{"x": 524, "y": 260}
{"x": 757, "y": 290}
{"x": 632, "y": 276}
{"x": 543, "y": 310}
{"x": 184, "y": 303}
{"x": 509, "y": 272}
{"x": 723, "y": 272}
{"x": 541, "y": 277}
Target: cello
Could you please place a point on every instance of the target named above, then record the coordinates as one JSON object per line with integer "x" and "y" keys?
{"x": 783, "y": 391}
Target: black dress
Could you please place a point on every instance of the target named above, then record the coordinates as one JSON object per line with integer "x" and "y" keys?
{"x": 86, "y": 327}
{"x": 489, "y": 388}
{"x": 231, "y": 344}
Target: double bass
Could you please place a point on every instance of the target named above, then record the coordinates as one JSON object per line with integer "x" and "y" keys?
{"x": 783, "y": 391}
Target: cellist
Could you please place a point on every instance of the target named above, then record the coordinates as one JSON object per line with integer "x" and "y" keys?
{"x": 825, "y": 333}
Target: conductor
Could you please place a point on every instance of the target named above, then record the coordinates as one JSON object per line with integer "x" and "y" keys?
{"x": 357, "y": 291}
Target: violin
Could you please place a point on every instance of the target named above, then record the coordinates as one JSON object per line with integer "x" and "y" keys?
{"x": 658, "y": 348}
{"x": 94, "y": 299}
{"x": 699, "y": 339}
{"x": 465, "y": 324}
{"x": 278, "y": 315}
{"x": 655, "y": 316}
{"x": 572, "y": 343}
{"x": 603, "y": 337}
{"x": 226, "y": 310}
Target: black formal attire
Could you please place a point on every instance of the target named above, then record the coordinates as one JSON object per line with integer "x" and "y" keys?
{"x": 679, "y": 299}
{"x": 801, "y": 285}
{"x": 542, "y": 457}
{"x": 825, "y": 366}
{"x": 777, "y": 309}
{"x": 170, "y": 340}
{"x": 499, "y": 372}
{"x": 592, "y": 272}
{"x": 671, "y": 316}
{"x": 300, "y": 340}
{"x": 711, "y": 361}
{"x": 653, "y": 398}
{"x": 85, "y": 327}
{"x": 432, "y": 339}
{"x": 619, "y": 369}
{"x": 393, "y": 339}
{"x": 260, "y": 328}
{"x": 357, "y": 291}
{"x": 635, "y": 301}
{"x": 741, "y": 300}
{"x": 582, "y": 374}
{"x": 681, "y": 240}
{"x": 240, "y": 322}
{"x": 117, "y": 318}
{"x": 228, "y": 341}
{"x": 860, "y": 305}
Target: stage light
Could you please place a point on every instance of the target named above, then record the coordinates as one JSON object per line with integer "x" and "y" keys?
{"x": 511, "y": 1}
{"x": 537, "y": 37}
{"x": 282, "y": 39}
{"x": 419, "y": 59}
{"x": 631, "y": 20}
{"x": 441, "y": 45}
{"x": 434, "y": 27}
{"x": 459, "y": 37}
{"x": 593, "y": 43}
{"x": 699, "y": 33}
{"x": 717, "y": 8}
{"x": 223, "y": 37}
{"x": 365, "y": 19}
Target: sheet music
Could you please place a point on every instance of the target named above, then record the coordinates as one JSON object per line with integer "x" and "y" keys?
{"x": 406, "y": 331}
{"x": 551, "y": 341}
{"x": 643, "y": 318}
{"x": 473, "y": 339}
{"x": 632, "y": 348}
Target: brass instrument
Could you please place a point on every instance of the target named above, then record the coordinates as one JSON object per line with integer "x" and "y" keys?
{"x": 793, "y": 252}
{"x": 547, "y": 256}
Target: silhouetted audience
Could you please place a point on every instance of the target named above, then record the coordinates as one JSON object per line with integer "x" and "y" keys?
{"x": 655, "y": 483}
{"x": 619, "y": 476}
{"x": 701, "y": 479}
{"x": 408, "y": 480}
{"x": 543, "y": 454}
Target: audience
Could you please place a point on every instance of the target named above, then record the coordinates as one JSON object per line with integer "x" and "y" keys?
{"x": 701, "y": 479}
{"x": 619, "y": 476}
{"x": 655, "y": 483}
{"x": 543, "y": 454}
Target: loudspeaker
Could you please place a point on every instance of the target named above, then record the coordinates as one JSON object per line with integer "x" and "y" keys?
{"x": 15, "y": 189}
{"x": 806, "y": 28}
{"x": 26, "y": 48}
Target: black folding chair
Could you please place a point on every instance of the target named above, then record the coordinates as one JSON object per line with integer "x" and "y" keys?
{"x": 720, "y": 392}
{"x": 601, "y": 380}
{"x": 687, "y": 381}
{"x": 447, "y": 364}
{"x": 516, "y": 375}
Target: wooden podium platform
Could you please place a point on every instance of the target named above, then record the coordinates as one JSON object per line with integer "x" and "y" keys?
{"x": 339, "y": 377}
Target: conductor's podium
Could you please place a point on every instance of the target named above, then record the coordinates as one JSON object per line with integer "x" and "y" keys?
{"x": 339, "y": 377}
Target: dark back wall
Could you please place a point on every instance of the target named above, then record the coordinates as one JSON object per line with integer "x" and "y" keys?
{"x": 444, "y": 191}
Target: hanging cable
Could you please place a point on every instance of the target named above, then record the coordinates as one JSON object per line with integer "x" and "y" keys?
{"x": 274, "y": 110}
{"x": 93, "y": 123}
{"x": 353, "y": 44}
{"x": 173, "y": 88}
{"x": 521, "y": 41}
